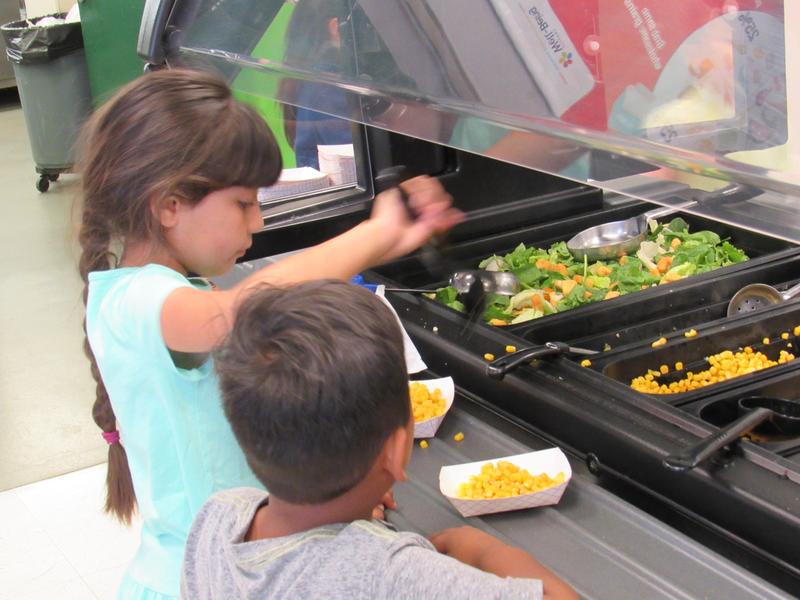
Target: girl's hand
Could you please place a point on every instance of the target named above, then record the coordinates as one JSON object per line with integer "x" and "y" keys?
{"x": 432, "y": 209}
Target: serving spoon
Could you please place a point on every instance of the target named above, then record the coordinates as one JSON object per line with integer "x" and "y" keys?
{"x": 759, "y": 295}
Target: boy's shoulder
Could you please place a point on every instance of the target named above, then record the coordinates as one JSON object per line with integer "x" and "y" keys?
{"x": 231, "y": 509}
{"x": 358, "y": 559}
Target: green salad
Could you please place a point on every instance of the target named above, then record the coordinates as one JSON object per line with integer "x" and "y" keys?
{"x": 552, "y": 281}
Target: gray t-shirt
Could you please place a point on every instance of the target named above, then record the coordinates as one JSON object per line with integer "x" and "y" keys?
{"x": 362, "y": 559}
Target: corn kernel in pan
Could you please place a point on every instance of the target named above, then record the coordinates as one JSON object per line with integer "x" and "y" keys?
{"x": 721, "y": 367}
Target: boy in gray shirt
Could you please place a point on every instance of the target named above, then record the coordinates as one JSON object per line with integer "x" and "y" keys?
{"x": 314, "y": 385}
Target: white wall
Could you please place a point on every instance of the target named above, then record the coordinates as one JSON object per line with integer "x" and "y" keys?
{"x": 37, "y": 8}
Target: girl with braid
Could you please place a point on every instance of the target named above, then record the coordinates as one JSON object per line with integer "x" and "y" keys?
{"x": 171, "y": 167}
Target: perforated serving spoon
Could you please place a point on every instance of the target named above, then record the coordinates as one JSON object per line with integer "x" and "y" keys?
{"x": 759, "y": 295}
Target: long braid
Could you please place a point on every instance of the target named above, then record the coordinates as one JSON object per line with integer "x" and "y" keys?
{"x": 120, "y": 502}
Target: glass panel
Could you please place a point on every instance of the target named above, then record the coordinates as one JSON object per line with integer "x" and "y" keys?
{"x": 318, "y": 150}
{"x": 667, "y": 101}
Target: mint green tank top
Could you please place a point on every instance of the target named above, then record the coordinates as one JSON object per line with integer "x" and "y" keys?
{"x": 180, "y": 447}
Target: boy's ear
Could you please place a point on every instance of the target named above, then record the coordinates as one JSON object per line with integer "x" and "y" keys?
{"x": 396, "y": 453}
{"x": 166, "y": 211}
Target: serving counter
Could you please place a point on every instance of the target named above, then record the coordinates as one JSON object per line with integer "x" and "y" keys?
{"x": 543, "y": 118}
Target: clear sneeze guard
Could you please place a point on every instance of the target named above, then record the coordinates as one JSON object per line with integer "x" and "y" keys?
{"x": 669, "y": 102}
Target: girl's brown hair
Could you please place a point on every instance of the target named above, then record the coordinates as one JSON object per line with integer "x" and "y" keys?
{"x": 169, "y": 134}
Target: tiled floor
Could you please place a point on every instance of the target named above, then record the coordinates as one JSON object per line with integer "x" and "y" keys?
{"x": 55, "y": 541}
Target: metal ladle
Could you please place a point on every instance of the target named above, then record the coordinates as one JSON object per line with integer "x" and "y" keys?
{"x": 493, "y": 282}
{"x": 612, "y": 240}
{"x": 759, "y": 295}
{"x": 618, "y": 238}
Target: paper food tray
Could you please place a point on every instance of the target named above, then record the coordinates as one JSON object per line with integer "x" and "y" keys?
{"x": 414, "y": 362}
{"x": 428, "y": 428}
{"x": 551, "y": 461}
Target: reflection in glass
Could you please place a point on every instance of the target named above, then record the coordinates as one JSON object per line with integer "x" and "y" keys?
{"x": 604, "y": 91}
{"x": 313, "y": 42}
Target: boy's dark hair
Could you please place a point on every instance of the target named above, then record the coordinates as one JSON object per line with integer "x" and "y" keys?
{"x": 313, "y": 381}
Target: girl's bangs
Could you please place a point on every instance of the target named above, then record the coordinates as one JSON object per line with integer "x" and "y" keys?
{"x": 246, "y": 154}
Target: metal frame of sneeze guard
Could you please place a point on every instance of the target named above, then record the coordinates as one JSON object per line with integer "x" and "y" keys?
{"x": 662, "y": 101}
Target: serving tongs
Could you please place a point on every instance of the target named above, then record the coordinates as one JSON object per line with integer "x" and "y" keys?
{"x": 500, "y": 367}
{"x": 472, "y": 286}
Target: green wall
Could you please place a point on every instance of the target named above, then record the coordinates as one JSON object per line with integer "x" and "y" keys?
{"x": 111, "y": 30}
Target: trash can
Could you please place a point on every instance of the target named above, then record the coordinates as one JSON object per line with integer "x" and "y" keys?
{"x": 53, "y": 82}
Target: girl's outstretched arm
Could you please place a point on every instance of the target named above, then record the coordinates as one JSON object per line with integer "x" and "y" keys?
{"x": 195, "y": 321}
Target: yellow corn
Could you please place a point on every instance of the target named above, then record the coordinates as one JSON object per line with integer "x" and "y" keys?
{"x": 488, "y": 356}
{"x": 506, "y": 480}
{"x": 721, "y": 367}
{"x": 690, "y": 334}
{"x": 796, "y": 330}
{"x": 659, "y": 342}
{"x": 458, "y": 437}
{"x": 664, "y": 369}
{"x": 765, "y": 341}
{"x": 511, "y": 348}
{"x": 785, "y": 335}
{"x": 423, "y": 444}
{"x": 424, "y": 403}
{"x": 586, "y": 362}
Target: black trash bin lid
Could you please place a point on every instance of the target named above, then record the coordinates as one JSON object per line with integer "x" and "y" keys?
{"x": 26, "y": 43}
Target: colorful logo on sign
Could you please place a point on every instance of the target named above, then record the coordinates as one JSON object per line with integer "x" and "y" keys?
{"x": 566, "y": 59}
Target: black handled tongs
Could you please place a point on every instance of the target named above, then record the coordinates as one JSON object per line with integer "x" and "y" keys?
{"x": 472, "y": 286}
{"x": 435, "y": 253}
{"x": 498, "y": 368}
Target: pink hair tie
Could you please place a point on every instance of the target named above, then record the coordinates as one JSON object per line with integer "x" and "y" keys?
{"x": 111, "y": 437}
